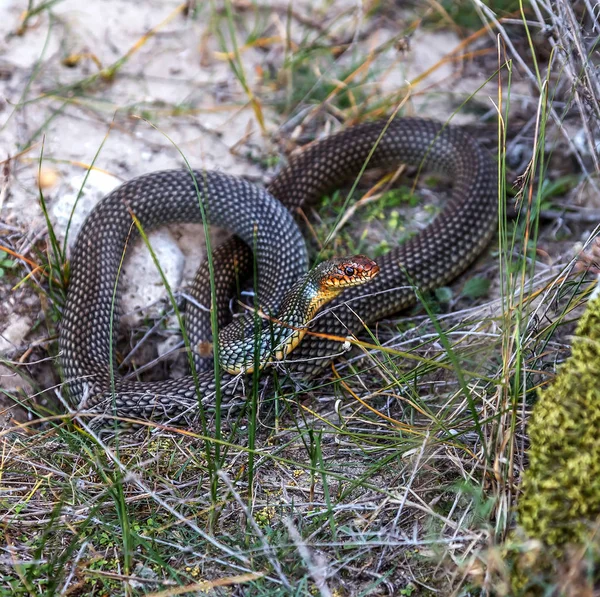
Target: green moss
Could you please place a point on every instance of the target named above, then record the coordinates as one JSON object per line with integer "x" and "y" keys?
{"x": 561, "y": 487}
{"x": 559, "y": 508}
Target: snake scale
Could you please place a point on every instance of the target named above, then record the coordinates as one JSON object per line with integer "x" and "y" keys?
{"x": 255, "y": 342}
{"x": 430, "y": 259}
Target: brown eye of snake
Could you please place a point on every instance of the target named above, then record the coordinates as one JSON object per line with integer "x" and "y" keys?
{"x": 349, "y": 271}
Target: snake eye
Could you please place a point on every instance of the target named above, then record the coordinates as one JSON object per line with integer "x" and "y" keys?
{"x": 349, "y": 271}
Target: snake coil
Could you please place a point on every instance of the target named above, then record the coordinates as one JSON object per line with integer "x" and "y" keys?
{"x": 432, "y": 258}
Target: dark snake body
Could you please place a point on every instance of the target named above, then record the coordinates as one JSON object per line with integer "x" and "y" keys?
{"x": 430, "y": 259}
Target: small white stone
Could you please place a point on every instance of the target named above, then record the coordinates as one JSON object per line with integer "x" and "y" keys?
{"x": 11, "y": 382}
{"x": 166, "y": 346}
{"x": 97, "y": 185}
{"x": 13, "y": 335}
{"x": 596, "y": 293}
{"x": 144, "y": 572}
{"x": 143, "y": 286}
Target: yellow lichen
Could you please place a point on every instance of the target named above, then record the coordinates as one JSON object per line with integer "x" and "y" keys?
{"x": 561, "y": 488}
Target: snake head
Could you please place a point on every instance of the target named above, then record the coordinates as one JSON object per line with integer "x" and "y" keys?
{"x": 342, "y": 272}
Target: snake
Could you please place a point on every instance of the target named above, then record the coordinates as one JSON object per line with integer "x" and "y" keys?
{"x": 242, "y": 347}
{"x": 268, "y": 240}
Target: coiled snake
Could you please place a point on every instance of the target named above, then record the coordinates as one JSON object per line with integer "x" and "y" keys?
{"x": 430, "y": 259}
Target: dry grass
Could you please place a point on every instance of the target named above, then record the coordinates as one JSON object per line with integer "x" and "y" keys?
{"x": 398, "y": 472}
